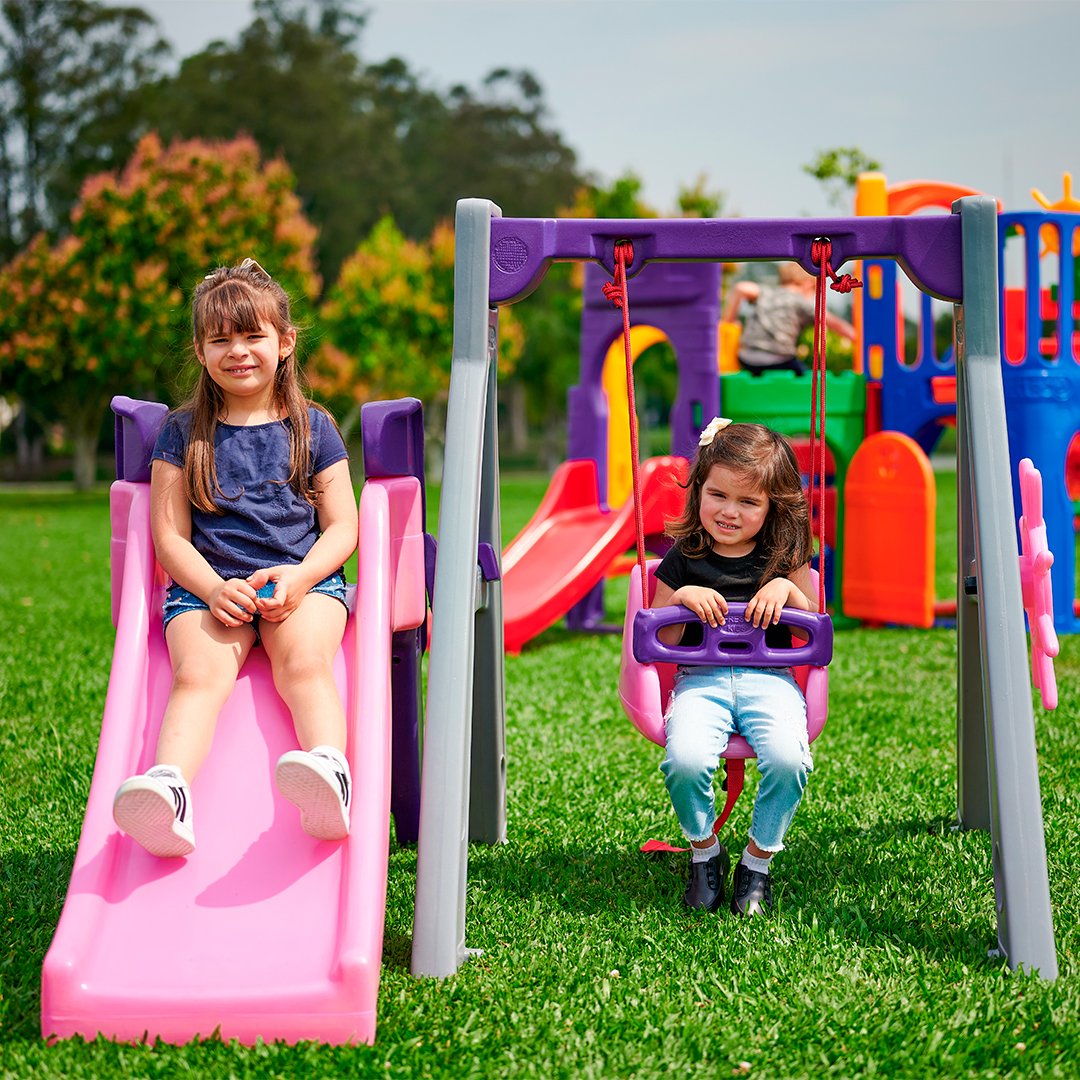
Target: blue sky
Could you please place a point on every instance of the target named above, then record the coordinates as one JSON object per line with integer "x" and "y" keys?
{"x": 978, "y": 92}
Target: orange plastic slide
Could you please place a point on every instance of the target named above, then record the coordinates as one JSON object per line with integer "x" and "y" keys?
{"x": 569, "y": 543}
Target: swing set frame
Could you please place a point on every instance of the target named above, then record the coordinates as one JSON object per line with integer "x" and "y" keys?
{"x": 501, "y": 260}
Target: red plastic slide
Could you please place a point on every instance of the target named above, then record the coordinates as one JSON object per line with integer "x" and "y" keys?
{"x": 569, "y": 543}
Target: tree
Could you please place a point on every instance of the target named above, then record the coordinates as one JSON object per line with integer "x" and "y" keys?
{"x": 68, "y": 69}
{"x": 622, "y": 199}
{"x": 838, "y": 169}
{"x": 366, "y": 140}
{"x": 388, "y": 325}
{"x": 292, "y": 83}
{"x": 102, "y": 311}
{"x": 696, "y": 200}
{"x": 493, "y": 143}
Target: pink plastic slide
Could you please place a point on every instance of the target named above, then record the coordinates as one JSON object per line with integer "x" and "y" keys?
{"x": 570, "y": 542}
{"x": 262, "y": 931}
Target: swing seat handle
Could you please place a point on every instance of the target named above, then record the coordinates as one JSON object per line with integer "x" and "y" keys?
{"x": 736, "y": 642}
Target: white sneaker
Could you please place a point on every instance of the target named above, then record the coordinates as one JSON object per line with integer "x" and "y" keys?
{"x": 318, "y": 783}
{"x": 154, "y": 809}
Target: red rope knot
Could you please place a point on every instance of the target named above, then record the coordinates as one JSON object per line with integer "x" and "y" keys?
{"x": 821, "y": 254}
{"x": 845, "y": 283}
{"x": 615, "y": 291}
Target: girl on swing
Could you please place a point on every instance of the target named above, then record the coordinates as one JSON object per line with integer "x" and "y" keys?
{"x": 744, "y": 536}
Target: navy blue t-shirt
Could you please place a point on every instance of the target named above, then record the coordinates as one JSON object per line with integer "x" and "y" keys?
{"x": 264, "y": 522}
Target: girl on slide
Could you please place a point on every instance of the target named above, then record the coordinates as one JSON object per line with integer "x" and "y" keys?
{"x": 253, "y": 515}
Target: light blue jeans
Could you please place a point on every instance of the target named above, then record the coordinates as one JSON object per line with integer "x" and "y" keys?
{"x": 766, "y": 707}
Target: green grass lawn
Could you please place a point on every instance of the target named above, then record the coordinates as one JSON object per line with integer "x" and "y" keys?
{"x": 875, "y": 963}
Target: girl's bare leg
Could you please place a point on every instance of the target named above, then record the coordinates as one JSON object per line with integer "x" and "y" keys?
{"x": 206, "y": 659}
{"x": 301, "y": 651}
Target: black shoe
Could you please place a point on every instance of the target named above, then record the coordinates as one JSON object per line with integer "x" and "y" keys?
{"x": 705, "y": 889}
{"x": 752, "y": 892}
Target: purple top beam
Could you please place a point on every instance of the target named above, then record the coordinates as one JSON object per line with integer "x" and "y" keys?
{"x": 928, "y": 248}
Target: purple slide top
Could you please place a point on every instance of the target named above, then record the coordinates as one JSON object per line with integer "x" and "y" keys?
{"x": 137, "y": 425}
{"x": 928, "y": 248}
{"x": 393, "y": 438}
{"x": 736, "y": 642}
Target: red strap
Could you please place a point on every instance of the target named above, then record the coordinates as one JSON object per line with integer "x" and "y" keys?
{"x": 820, "y": 254}
{"x": 736, "y": 777}
{"x": 615, "y": 291}
{"x": 735, "y": 769}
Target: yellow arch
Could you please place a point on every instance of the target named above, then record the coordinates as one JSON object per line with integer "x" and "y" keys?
{"x": 620, "y": 478}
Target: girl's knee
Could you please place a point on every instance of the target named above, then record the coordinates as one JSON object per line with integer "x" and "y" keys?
{"x": 684, "y": 759}
{"x": 193, "y": 674}
{"x": 787, "y": 761}
{"x": 298, "y": 666}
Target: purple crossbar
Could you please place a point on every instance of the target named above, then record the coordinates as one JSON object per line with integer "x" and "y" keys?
{"x": 736, "y": 642}
{"x": 928, "y": 248}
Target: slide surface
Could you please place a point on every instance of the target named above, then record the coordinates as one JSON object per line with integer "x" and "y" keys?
{"x": 263, "y": 931}
{"x": 570, "y": 542}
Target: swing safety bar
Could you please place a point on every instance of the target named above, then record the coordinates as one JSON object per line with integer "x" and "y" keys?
{"x": 736, "y": 641}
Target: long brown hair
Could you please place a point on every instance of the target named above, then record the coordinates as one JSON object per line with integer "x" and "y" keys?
{"x": 239, "y": 299}
{"x": 759, "y": 456}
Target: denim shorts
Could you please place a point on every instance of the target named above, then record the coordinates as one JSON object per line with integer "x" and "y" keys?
{"x": 178, "y": 600}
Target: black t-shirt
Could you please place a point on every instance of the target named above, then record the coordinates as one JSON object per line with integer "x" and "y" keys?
{"x": 735, "y": 578}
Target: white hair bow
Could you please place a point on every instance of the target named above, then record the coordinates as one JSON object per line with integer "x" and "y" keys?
{"x": 712, "y": 429}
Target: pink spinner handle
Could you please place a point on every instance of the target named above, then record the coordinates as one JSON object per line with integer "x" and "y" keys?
{"x": 1036, "y": 558}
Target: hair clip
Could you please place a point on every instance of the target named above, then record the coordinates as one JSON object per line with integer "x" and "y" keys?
{"x": 712, "y": 429}
{"x": 247, "y": 264}
{"x": 251, "y": 264}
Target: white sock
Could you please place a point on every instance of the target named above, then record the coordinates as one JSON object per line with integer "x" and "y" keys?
{"x": 759, "y": 866}
{"x": 704, "y": 854}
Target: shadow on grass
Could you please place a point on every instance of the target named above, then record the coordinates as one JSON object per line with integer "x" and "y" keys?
{"x": 887, "y": 883}
{"x": 878, "y": 887}
{"x": 33, "y": 885}
{"x": 575, "y": 878}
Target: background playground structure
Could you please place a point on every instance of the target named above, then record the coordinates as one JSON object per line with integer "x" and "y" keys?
{"x": 889, "y": 390}
{"x": 916, "y": 395}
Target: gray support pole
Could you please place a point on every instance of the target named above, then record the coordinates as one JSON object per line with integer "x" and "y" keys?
{"x": 487, "y": 803}
{"x": 1021, "y": 886}
{"x": 442, "y": 855}
{"x": 972, "y": 756}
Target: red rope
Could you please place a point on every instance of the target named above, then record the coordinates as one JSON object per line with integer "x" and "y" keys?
{"x": 820, "y": 254}
{"x": 616, "y": 292}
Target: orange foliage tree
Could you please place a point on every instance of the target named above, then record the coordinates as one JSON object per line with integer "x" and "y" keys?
{"x": 103, "y": 311}
{"x": 387, "y": 325}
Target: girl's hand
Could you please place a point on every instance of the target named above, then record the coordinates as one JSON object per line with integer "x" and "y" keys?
{"x": 290, "y": 587}
{"x": 233, "y": 602}
{"x": 769, "y": 601}
{"x": 707, "y": 604}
